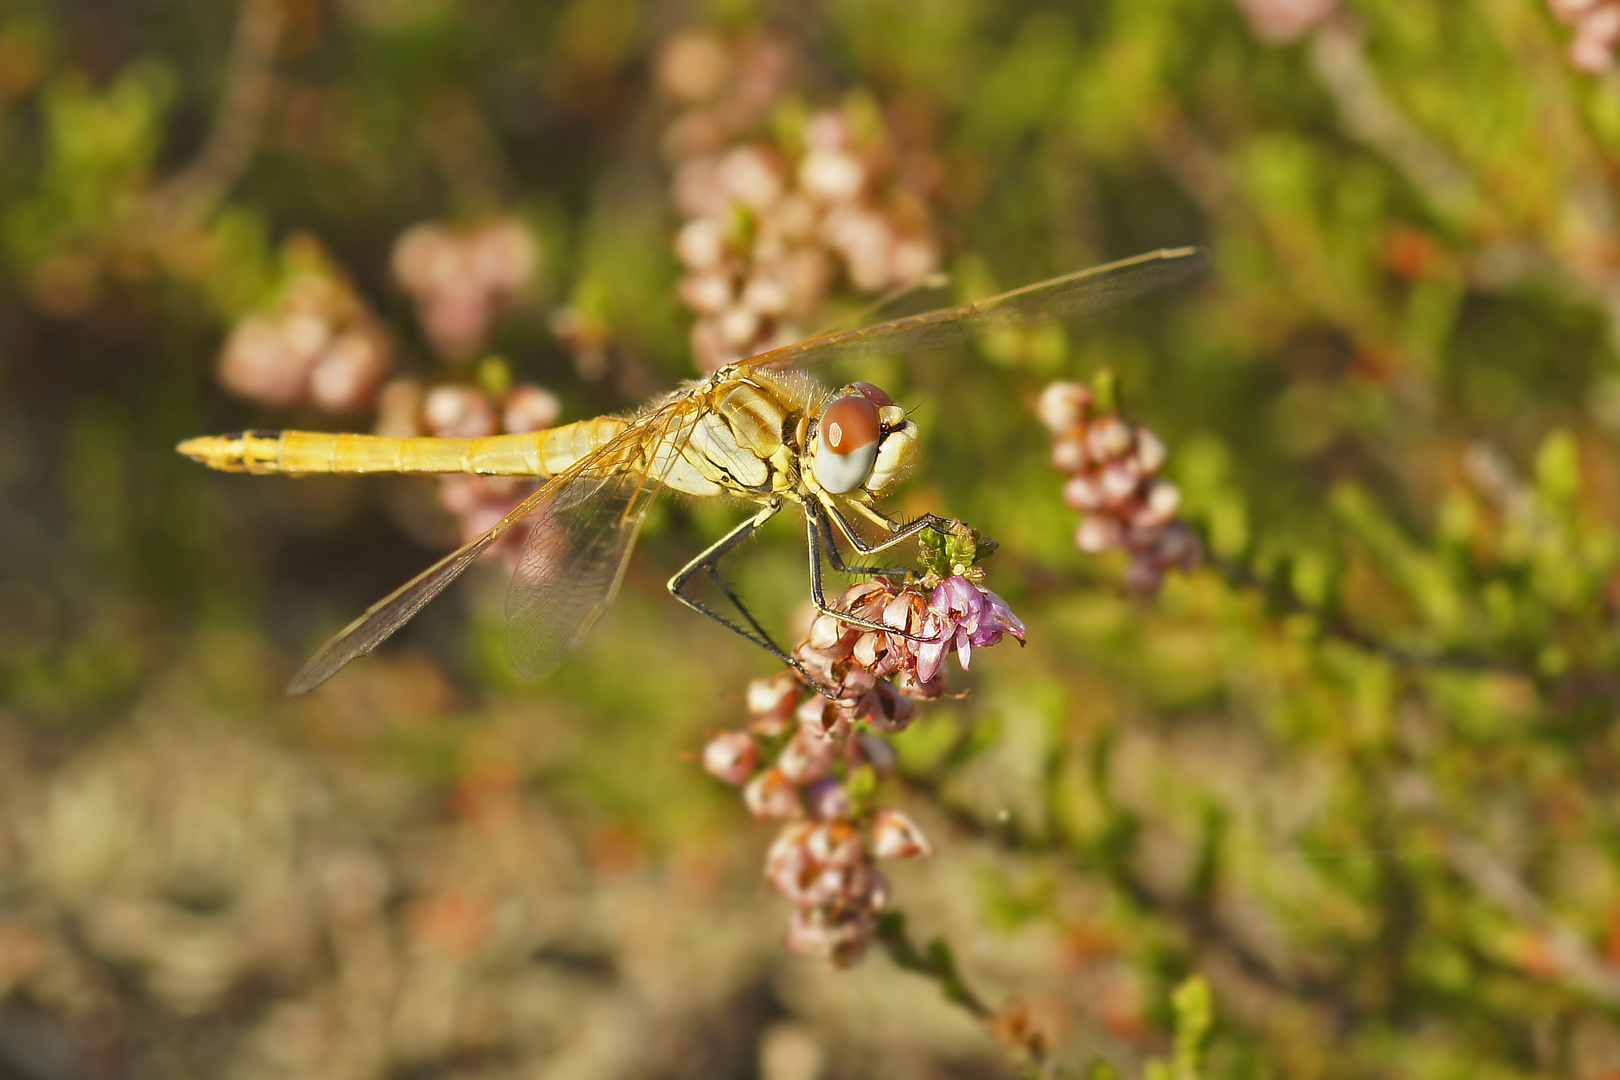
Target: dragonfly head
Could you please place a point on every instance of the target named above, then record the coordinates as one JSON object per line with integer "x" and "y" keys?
{"x": 863, "y": 440}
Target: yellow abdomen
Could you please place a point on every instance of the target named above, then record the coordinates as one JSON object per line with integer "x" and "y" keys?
{"x": 538, "y": 453}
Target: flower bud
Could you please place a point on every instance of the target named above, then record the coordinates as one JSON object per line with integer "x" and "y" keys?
{"x": 829, "y": 800}
{"x": 731, "y": 756}
{"x": 771, "y": 795}
{"x": 458, "y": 411}
{"x": 701, "y": 244}
{"x": 1161, "y": 504}
{"x": 529, "y": 408}
{"x": 1083, "y": 492}
{"x": 1070, "y": 454}
{"x": 1099, "y": 534}
{"x": 896, "y": 836}
{"x": 1150, "y": 451}
{"x": 1062, "y": 405}
{"x": 1108, "y": 437}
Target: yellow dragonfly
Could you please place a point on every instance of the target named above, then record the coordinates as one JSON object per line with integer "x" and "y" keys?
{"x": 762, "y": 430}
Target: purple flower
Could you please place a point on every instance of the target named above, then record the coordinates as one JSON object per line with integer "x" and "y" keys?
{"x": 964, "y": 616}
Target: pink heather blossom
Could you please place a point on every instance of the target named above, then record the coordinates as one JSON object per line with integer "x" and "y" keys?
{"x": 1113, "y": 480}
{"x": 772, "y": 795}
{"x": 896, "y": 836}
{"x": 810, "y": 758}
{"x": 963, "y": 616}
{"x": 731, "y": 757}
{"x": 841, "y": 937}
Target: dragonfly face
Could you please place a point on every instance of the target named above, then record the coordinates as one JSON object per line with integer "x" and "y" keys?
{"x": 863, "y": 441}
{"x": 761, "y": 430}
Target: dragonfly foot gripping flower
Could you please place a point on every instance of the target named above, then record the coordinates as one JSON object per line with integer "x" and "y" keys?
{"x": 813, "y": 760}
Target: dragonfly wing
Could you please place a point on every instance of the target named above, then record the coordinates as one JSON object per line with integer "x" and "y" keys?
{"x": 1083, "y": 293}
{"x": 579, "y": 545}
{"x": 393, "y": 611}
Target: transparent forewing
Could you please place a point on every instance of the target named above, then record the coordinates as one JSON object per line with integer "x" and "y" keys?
{"x": 393, "y": 611}
{"x": 580, "y": 541}
{"x": 1083, "y": 293}
{"x": 382, "y": 619}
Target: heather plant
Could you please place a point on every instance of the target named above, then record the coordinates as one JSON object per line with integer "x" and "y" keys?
{"x": 1303, "y": 767}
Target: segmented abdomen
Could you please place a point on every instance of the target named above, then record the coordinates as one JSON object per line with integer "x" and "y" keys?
{"x": 539, "y": 453}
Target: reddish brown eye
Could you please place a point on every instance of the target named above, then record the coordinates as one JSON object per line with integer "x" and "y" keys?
{"x": 847, "y": 443}
{"x": 850, "y": 424}
{"x": 875, "y": 394}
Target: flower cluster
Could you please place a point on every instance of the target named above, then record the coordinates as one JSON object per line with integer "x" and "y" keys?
{"x": 1114, "y": 481}
{"x": 405, "y": 408}
{"x": 1597, "y": 31}
{"x": 319, "y": 345}
{"x": 316, "y": 344}
{"x": 812, "y": 759}
{"x": 461, "y": 278}
{"x": 771, "y": 224}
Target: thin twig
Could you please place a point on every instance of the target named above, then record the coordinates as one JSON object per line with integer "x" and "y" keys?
{"x": 1341, "y": 65}
{"x": 196, "y": 189}
{"x": 937, "y": 962}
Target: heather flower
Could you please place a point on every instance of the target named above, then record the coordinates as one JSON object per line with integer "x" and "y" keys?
{"x": 963, "y": 615}
{"x": 1597, "y": 31}
{"x": 1114, "y": 482}
{"x": 810, "y": 757}
{"x": 771, "y": 224}
{"x": 771, "y": 794}
{"x": 317, "y": 344}
{"x": 461, "y": 279}
{"x": 731, "y": 757}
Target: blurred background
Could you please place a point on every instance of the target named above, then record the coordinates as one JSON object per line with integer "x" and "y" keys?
{"x": 1355, "y": 770}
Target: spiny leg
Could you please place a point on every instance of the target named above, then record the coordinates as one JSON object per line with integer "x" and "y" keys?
{"x": 818, "y": 595}
{"x": 897, "y": 532}
{"x": 709, "y": 563}
{"x": 813, "y": 508}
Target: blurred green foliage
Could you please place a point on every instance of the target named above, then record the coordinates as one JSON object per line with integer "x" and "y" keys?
{"x": 1355, "y": 774}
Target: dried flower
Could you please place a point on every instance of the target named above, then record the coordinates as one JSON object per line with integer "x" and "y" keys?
{"x": 461, "y": 278}
{"x": 1597, "y": 31}
{"x": 822, "y": 752}
{"x": 771, "y": 222}
{"x": 316, "y": 345}
{"x": 1114, "y": 482}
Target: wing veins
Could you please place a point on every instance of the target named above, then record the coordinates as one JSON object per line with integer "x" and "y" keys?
{"x": 381, "y": 620}
{"x": 560, "y": 590}
{"x": 1084, "y": 292}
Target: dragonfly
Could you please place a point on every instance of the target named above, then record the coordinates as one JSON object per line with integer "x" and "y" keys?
{"x": 762, "y": 430}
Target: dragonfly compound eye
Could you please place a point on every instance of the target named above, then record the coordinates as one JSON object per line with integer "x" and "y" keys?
{"x": 847, "y": 443}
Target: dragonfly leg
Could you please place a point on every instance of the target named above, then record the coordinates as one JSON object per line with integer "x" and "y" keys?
{"x": 835, "y": 557}
{"x": 818, "y": 595}
{"x": 897, "y": 532}
{"x": 708, "y": 563}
